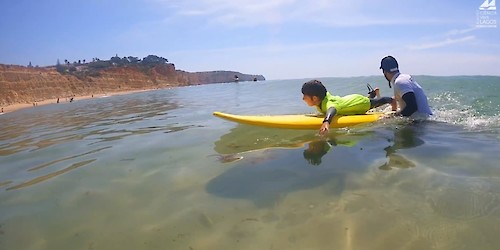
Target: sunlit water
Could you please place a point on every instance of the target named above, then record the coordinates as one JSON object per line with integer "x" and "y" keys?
{"x": 155, "y": 170}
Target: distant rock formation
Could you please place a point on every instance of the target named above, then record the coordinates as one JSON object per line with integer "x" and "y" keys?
{"x": 215, "y": 77}
{"x": 20, "y": 84}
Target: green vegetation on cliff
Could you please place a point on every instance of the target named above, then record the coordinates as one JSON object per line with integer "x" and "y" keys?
{"x": 82, "y": 70}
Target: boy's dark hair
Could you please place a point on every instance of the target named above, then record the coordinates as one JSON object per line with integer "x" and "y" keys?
{"x": 314, "y": 88}
{"x": 316, "y": 150}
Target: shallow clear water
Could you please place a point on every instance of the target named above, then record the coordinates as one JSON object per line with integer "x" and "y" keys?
{"x": 155, "y": 170}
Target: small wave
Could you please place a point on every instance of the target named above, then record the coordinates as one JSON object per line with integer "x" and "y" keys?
{"x": 453, "y": 108}
{"x": 468, "y": 119}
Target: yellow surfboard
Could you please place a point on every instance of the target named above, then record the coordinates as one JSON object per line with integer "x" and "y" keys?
{"x": 300, "y": 121}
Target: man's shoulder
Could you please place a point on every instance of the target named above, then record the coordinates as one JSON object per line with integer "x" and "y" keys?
{"x": 403, "y": 78}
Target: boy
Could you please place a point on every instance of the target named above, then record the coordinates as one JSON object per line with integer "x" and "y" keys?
{"x": 315, "y": 94}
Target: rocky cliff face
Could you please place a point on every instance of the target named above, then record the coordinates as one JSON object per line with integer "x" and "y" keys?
{"x": 26, "y": 85}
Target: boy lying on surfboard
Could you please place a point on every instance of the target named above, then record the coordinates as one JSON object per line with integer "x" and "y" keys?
{"x": 315, "y": 94}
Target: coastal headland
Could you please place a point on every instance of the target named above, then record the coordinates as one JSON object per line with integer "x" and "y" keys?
{"x": 22, "y": 86}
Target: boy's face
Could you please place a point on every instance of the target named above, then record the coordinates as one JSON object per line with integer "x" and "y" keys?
{"x": 311, "y": 100}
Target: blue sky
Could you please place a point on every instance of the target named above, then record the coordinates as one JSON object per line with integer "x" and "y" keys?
{"x": 281, "y": 39}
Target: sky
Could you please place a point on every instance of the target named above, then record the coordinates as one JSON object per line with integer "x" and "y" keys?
{"x": 280, "y": 39}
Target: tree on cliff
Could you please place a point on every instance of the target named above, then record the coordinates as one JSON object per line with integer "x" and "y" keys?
{"x": 133, "y": 59}
{"x": 116, "y": 60}
{"x": 153, "y": 60}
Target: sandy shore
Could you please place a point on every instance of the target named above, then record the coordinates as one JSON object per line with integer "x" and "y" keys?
{"x": 18, "y": 106}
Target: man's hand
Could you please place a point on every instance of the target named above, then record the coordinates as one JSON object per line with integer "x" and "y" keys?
{"x": 324, "y": 128}
{"x": 389, "y": 114}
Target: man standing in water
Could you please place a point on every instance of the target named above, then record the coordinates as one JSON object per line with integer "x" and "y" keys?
{"x": 410, "y": 97}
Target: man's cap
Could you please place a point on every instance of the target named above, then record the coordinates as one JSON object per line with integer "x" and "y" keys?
{"x": 389, "y": 64}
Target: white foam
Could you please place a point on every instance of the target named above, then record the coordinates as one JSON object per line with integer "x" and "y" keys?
{"x": 451, "y": 110}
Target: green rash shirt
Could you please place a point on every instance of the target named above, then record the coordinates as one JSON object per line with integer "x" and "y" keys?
{"x": 354, "y": 104}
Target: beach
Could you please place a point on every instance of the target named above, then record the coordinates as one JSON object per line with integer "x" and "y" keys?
{"x": 18, "y": 106}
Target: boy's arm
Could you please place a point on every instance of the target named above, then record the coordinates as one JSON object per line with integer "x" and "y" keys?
{"x": 330, "y": 113}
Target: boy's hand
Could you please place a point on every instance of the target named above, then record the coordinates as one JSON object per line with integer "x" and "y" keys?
{"x": 324, "y": 128}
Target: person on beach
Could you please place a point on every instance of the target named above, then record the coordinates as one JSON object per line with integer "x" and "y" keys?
{"x": 315, "y": 94}
{"x": 409, "y": 96}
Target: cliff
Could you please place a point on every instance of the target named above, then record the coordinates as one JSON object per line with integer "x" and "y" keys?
{"x": 20, "y": 84}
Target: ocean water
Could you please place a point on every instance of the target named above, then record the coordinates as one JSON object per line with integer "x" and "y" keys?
{"x": 155, "y": 170}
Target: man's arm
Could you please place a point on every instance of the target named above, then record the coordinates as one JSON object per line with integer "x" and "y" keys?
{"x": 411, "y": 104}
